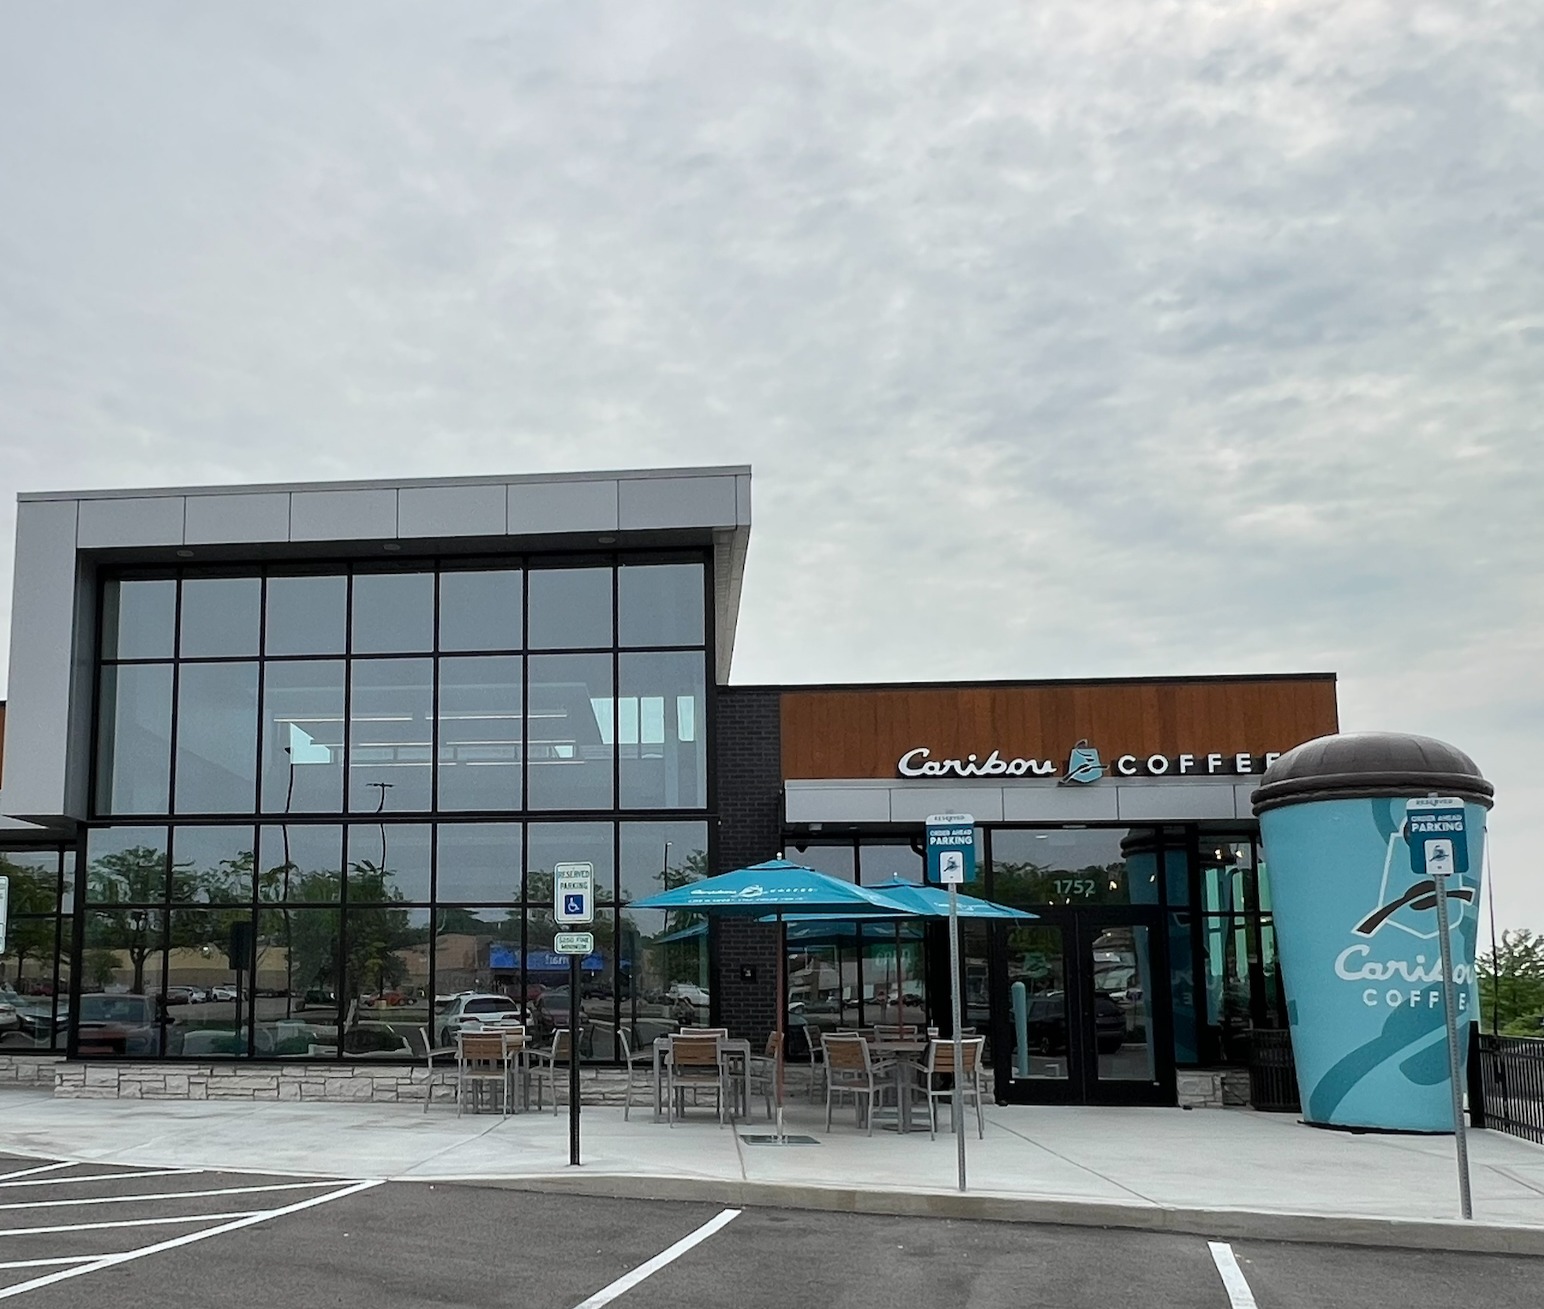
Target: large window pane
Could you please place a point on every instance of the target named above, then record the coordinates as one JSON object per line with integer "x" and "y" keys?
{"x": 139, "y": 618}
{"x": 480, "y": 610}
{"x": 126, "y": 865}
{"x": 386, "y": 998}
{"x": 569, "y": 732}
{"x": 570, "y": 608}
{"x": 548, "y": 844}
{"x": 34, "y": 880}
{"x": 388, "y": 862}
{"x": 209, "y": 982}
{"x": 662, "y": 956}
{"x": 476, "y": 950}
{"x": 660, "y": 604}
{"x": 121, "y": 1011}
{"x": 393, "y": 612}
{"x": 389, "y": 734}
{"x": 547, "y": 983}
{"x": 478, "y": 862}
{"x": 212, "y": 865}
{"x": 300, "y": 862}
{"x": 216, "y": 738}
{"x": 135, "y": 738}
{"x": 306, "y": 615}
{"x": 27, "y": 980}
{"x": 661, "y": 731}
{"x": 882, "y": 861}
{"x": 1070, "y": 866}
{"x": 833, "y": 860}
{"x": 480, "y": 723}
{"x": 220, "y": 616}
{"x": 303, "y": 736}
{"x": 299, "y": 968}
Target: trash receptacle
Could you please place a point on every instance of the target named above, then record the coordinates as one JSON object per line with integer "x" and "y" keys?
{"x": 1272, "y": 1074}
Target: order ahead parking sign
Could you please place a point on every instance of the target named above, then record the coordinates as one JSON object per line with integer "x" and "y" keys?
{"x": 951, "y": 849}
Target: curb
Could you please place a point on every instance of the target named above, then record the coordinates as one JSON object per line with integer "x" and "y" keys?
{"x": 1450, "y": 1235}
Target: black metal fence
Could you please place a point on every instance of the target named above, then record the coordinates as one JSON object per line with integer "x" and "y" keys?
{"x": 1506, "y": 1084}
{"x": 1272, "y": 1073}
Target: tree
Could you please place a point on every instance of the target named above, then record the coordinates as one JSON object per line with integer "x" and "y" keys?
{"x": 1512, "y": 985}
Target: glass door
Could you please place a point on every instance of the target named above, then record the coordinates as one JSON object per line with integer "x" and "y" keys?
{"x": 1083, "y": 1015}
{"x": 1042, "y": 1004}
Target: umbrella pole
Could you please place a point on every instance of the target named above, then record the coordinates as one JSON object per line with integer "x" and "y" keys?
{"x": 900, "y": 986}
{"x": 782, "y": 957}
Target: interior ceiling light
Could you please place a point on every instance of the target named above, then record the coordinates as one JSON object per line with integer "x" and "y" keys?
{"x": 392, "y": 545}
{"x": 184, "y": 554}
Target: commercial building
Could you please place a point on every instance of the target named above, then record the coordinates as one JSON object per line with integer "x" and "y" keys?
{"x": 287, "y": 770}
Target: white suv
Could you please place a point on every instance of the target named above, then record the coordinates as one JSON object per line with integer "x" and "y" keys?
{"x": 453, "y": 1012}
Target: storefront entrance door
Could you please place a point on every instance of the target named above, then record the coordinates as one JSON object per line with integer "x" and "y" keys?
{"x": 1082, "y": 1012}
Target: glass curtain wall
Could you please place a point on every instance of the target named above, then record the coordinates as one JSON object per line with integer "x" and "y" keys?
{"x": 35, "y": 965}
{"x": 328, "y": 801}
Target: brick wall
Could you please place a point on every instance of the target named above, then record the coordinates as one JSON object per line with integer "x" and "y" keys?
{"x": 748, "y": 740}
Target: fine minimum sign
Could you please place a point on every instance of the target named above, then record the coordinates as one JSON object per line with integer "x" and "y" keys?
{"x": 573, "y": 943}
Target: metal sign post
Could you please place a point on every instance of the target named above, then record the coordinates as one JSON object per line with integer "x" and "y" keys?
{"x": 5, "y": 902}
{"x": 951, "y": 859}
{"x": 573, "y": 902}
{"x": 1438, "y": 849}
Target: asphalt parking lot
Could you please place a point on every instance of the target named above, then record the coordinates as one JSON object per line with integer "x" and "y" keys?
{"x": 72, "y": 1234}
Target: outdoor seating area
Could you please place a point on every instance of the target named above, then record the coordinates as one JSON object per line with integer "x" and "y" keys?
{"x": 887, "y": 1072}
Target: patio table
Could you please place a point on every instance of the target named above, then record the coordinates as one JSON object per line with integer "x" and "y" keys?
{"x": 738, "y": 1050}
{"x": 903, "y": 1054}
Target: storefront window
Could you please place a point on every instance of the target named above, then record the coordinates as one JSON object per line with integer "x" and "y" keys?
{"x": 1073, "y": 866}
{"x": 220, "y": 617}
{"x": 307, "y": 615}
{"x": 32, "y": 982}
{"x": 480, "y": 609}
{"x": 303, "y": 736}
{"x": 135, "y": 738}
{"x": 216, "y": 738}
{"x": 391, "y": 700}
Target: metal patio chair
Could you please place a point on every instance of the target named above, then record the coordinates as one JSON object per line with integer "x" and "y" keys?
{"x": 851, "y": 1069}
{"x": 695, "y": 1062}
{"x": 940, "y": 1067}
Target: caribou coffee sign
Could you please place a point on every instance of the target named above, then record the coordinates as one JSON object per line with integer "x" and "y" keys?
{"x": 1083, "y": 765}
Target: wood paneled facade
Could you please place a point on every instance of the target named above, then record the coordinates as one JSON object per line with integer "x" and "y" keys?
{"x": 861, "y": 732}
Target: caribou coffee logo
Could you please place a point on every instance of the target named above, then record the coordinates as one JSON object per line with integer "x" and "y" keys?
{"x": 1085, "y": 765}
{"x": 1405, "y": 904}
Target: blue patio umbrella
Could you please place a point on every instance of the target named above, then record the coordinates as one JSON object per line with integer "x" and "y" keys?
{"x": 771, "y": 890}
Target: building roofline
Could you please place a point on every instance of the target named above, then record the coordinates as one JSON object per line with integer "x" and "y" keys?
{"x": 389, "y": 483}
{"x": 988, "y": 684}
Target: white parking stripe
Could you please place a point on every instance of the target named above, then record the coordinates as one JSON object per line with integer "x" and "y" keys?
{"x": 629, "y": 1280}
{"x": 27, "y": 1172}
{"x": 51, "y": 1263}
{"x": 125, "y": 1222}
{"x": 101, "y": 1177}
{"x": 169, "y": 1195}
{"x": 1239, "y": 1294}
{"x": 112, "y": 1260}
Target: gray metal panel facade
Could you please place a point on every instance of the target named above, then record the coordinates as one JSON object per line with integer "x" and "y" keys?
{"x": 343, "y": 515}
{"x": 38, "y": 721}
{"x": 644, "y": 503}
{"x": 547, "y": 507}
{"x": 444, "y": 511}
{"x": 150, "y": 520}
{"x": 212, "y": 519}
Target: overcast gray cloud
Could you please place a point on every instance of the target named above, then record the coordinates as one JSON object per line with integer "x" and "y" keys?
{"x": 1065, "y": 339}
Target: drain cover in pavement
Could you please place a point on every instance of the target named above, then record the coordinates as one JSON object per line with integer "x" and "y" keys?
{"x": 771, "y": 1139}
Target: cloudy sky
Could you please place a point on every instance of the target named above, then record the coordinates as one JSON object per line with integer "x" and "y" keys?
{"x": 1065, "y": 339}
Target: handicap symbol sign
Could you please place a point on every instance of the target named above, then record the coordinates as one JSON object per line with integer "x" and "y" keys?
{"x": 573, "y": 904}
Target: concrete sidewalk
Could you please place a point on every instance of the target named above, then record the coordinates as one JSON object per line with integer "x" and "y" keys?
{"x": 1221, "y": 1173}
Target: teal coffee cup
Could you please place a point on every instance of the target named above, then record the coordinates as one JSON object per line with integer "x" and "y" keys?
{"x": 1356, "y": 923}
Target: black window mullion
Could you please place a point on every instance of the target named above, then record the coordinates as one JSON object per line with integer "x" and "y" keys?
{"x": 171, "y": 762}
{"x": 616, "y": 698}
{"x": 434, "y": 708}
